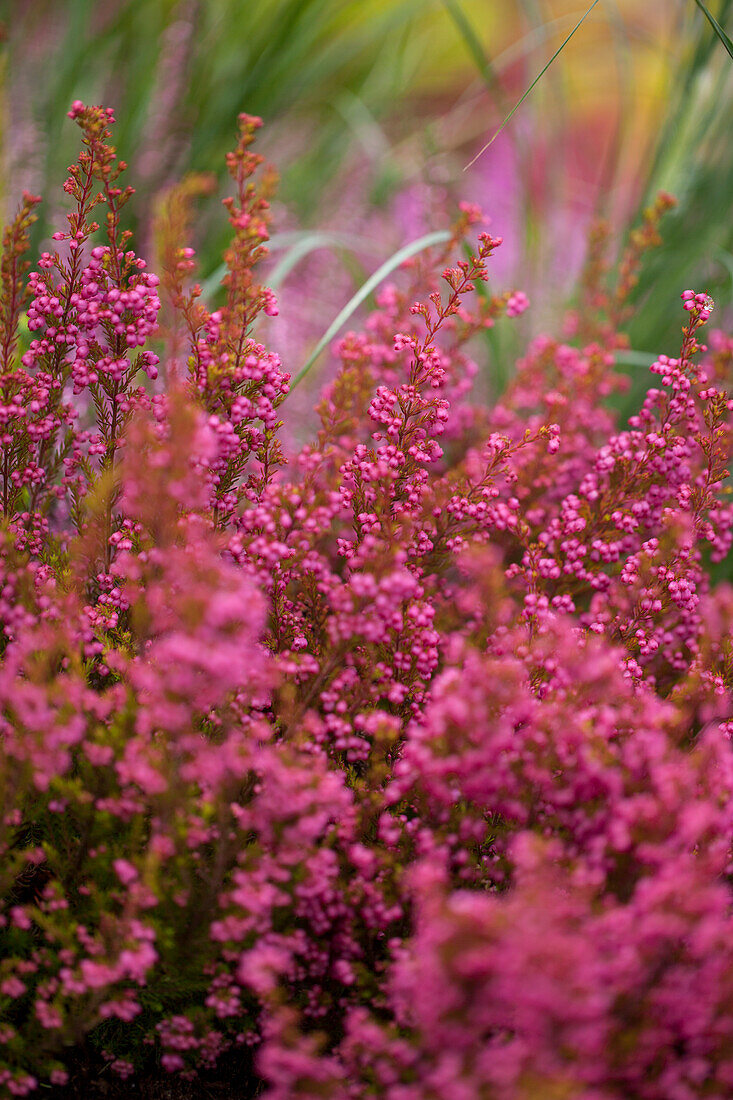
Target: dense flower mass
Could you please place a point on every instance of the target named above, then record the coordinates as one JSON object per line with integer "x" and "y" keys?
{"x": 396, "y": 766}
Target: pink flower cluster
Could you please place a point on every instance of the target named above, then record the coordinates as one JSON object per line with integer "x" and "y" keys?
{"x": 395, "y": 767}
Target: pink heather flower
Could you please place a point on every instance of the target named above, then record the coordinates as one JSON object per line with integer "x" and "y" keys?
{"x": 12, "y": 987}
{"x": 125, "y": 871}
{"x": 518, "y": 302}
{"x": 172, "y": 1062}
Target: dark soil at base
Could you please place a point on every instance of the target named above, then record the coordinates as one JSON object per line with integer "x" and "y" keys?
{"x": 166, "y": 1087}
{"x": 232, "y": 1079}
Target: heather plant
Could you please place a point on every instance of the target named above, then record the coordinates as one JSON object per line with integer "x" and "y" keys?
{"x": 395, "y": 765}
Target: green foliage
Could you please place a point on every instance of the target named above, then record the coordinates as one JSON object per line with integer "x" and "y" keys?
{"x": 693, "y": 159}
{"x": 330, "y": 76}
{"x": 179, "y": 73}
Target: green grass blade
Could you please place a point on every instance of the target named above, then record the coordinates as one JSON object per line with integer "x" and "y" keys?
{"x": 716, "y": 27}
{"x": 533, "y": 85}
{"x": 364, "y": 291}
{"x": 280, "y": 241}
{"x": 298, "y": 244}
{"x": 635, "y": 358}
{"x": 473, "y": 45}
{"x": 302, "y": 248}
{"x": 726, "y": 259}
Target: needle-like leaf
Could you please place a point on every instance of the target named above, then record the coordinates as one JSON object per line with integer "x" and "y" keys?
{"x": 534, "y": 83}
{"x": 716, "y": 27}
{"x": 473, "y": 45}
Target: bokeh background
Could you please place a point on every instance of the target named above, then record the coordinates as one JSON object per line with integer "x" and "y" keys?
{"x": 372, "y": 110}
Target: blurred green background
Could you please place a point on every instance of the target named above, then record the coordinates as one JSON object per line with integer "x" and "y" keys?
{"x": 373, "y": 108}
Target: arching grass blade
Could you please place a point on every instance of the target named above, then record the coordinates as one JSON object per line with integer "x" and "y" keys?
{"x": 716, "y": 27}
{"x": 534, "y": 83}
{"x": 364, "y": 291}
